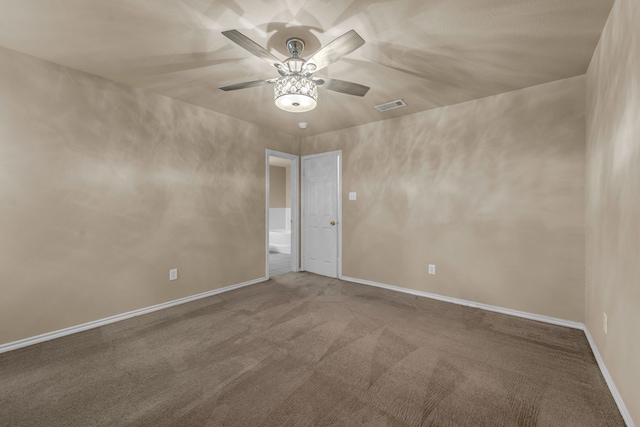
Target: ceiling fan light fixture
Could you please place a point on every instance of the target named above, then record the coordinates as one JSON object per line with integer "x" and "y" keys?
{"x": 295, "y": 93}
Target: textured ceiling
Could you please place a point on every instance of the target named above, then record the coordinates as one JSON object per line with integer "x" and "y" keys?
{"x": 430, "y": 53}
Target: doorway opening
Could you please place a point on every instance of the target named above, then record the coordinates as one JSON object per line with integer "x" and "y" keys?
{"x": 281, "y": 213}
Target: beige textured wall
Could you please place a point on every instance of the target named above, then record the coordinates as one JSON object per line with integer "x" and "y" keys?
{"x": 613, "y": 199}
{"x": 287, "y": 183}
{"x": 277, "y": 187}
{"x": 491, "y": 191}
{"x": 104, "y": 188}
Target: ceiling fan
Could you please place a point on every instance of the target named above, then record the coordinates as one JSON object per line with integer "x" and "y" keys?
{"x": 296, "y": 90}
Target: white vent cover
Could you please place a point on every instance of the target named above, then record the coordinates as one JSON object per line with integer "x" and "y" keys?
{"x": 391, "y": 105}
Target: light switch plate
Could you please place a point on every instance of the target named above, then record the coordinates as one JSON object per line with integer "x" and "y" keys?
{"x": 352, "y": 195}
{"x": 173, "y": 274}
{"x": 432, "y": 269}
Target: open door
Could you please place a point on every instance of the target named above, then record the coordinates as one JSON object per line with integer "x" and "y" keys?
{"x": 321, "y": 213}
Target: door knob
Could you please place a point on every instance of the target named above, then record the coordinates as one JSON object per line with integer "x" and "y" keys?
{"x": 332, "y": 223}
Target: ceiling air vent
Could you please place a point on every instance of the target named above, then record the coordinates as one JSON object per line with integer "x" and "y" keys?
{"x": 391, "y": 105}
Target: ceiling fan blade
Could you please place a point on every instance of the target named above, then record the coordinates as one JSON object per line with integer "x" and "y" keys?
{"x": 345, "y": 87}
{"x": 253, "y": 47}
{"x": 244, "y": 85}
{"x": 343, "y": 45}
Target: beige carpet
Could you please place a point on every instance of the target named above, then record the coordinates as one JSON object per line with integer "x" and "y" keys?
{"x": 305, "y": 350}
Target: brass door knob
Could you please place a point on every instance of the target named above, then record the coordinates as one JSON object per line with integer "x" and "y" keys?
{"x": 332, "y": 223}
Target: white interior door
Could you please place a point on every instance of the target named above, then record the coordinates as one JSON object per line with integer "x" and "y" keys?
{"x": 320, "y": 211}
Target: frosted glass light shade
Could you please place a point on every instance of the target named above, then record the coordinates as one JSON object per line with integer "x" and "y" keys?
{"x": 295, "y": 94}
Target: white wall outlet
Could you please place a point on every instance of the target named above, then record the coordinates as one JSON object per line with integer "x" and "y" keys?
{"x": 173, "y": 274}
{"x": 432, "y": 269}
{"x": 352, "y": 195}
{"x": 604, "y": 322}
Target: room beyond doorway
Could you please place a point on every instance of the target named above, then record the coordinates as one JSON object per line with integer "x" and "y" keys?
{"x": 279, "y": 263}
{"x": 281, "y": 213}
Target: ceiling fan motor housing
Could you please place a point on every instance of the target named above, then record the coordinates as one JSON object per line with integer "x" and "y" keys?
{"x": 295, "y": 64}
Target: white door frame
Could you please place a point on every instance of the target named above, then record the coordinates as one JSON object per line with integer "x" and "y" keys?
{"x": 295, "y": 222}
{"x": 339, "y": 207}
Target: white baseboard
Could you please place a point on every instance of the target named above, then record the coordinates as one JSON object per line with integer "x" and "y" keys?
{"x": 546, "y": 319}
{"x": 524, "y": 314}
{"x": 101, "y": 322}
{"x": 607, "y": 377}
